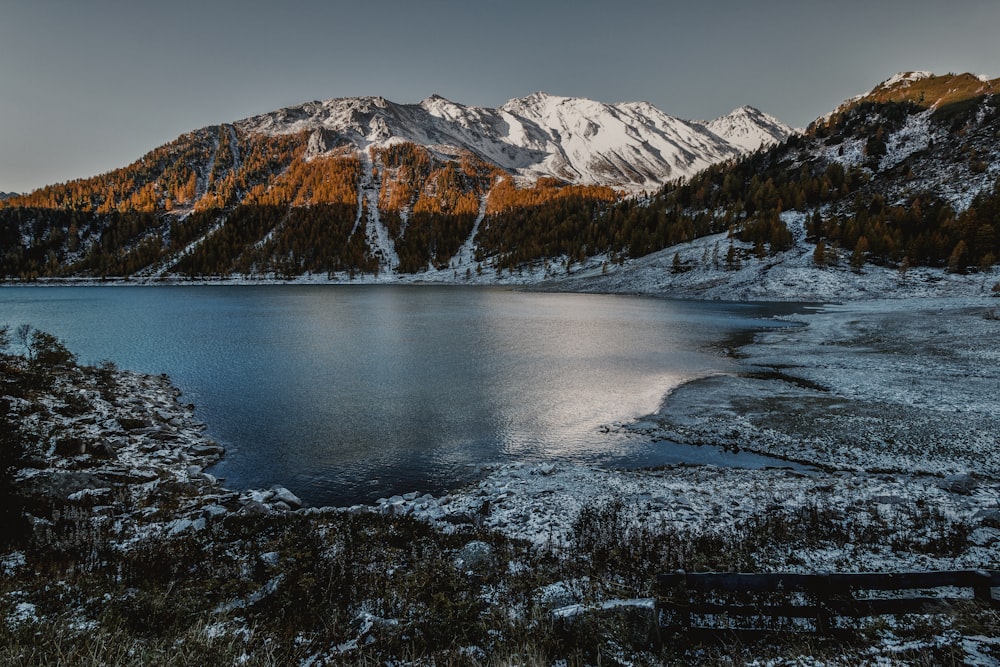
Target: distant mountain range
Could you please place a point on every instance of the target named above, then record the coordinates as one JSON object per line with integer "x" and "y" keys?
{"x": 630, "y": 145}
{"x": 6, "y": 195}
{"x": 365, "y": 188}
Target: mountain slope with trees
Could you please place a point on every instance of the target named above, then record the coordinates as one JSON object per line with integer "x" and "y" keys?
{"x": 905, "y": 175}
{"x": 348, "y": 186}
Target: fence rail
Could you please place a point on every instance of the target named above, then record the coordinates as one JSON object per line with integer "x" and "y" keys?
{"x": 718, "y": 596}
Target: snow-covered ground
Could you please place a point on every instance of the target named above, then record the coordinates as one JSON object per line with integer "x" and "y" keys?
{"x": 892, "y": 405}
{"x": 889, "y": 402}
{"x": 905, "y": 385}
{"x": 540, "y": 502}
{"x": 788, "y": 276}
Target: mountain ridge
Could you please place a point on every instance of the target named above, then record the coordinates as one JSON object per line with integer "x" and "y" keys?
{"x": 367, "y": 189}
{"x": 749, "y": 128}
{"x": 628, "y": 145}
{"x": 923, "y": 88}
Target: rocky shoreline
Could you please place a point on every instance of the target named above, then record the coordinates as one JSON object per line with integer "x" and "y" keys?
{"x": 135, "y": 453}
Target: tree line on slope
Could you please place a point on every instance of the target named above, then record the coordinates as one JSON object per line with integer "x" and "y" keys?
{"x": 268, "y": 209}
{"x": 849, "y": 211}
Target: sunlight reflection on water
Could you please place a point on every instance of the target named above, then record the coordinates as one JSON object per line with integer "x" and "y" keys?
{"x": 348, "y": 393}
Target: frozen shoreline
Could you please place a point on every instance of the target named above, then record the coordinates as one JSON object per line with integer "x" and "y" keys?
{"x": 877, "y": 411}
{"x": 136, "y": 454}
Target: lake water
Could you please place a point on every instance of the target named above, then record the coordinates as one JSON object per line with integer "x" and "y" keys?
{"x": 348, "y": 393}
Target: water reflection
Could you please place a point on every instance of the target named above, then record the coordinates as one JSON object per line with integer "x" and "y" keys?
{"x": 349, "y": 393}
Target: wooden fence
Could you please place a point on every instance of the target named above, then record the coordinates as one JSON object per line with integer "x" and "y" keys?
{"x": 738, "y": 601}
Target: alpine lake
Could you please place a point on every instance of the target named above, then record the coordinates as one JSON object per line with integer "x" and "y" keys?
{"x": 348, "y": 393}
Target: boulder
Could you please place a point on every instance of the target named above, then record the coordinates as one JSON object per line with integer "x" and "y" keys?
{"x": 397, "y": 509}
{"x": 102, "y": 494}
{"x": 214, "y": 510}
{"x": 111, "y": 426}
{"x": 554, "y": 596}
{"x": 179, "y": 526}
{"x": 254, "y": 508}
{"x": 207, "y": 450}
{"x": 476, "y": 557}
{"x": 283, "y": 495}
{"x": 989, "y": 518}
{"x": 984, "y": 537}
{"x": 70, "y": 446}
{"x": 104, "y": 449}
{"x": 963, "y": 484}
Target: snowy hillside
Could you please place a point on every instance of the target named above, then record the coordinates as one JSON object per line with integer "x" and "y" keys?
{"x": 911, "y": 169}
{"x": 924, "y": 88}
{"x": 630, "y": 145}
{"x": 792, "y": 275}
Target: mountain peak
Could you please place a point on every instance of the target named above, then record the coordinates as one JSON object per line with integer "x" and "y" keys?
{"x": 437, "y": 103}
{"x": 540, "y": 96}
{"x": 435, "y": 99}
{"x": 904, "y": 79}
{"x": 630, "y": 145}
{"x": 749, "y": 128}
{"x": 925, "y": 89}
{"x": 536, "y": 100}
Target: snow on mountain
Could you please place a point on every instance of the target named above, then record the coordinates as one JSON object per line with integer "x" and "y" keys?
{"x": 630, "y": 145}
{"x": 905, "y": 78}
{"x": 925, "y": 89}
{"x": 5, "y": 195}
{"x": 750, "y": 129}
{"x": 620, "y": 144}
{"x": 898, "y": 80}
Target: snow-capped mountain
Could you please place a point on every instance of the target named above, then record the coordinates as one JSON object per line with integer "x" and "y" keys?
{"x": 365, "y": 188}
{"x": 749, "y": 129}
{"x": 5, "y": 195}
{"x": 630, "y": 145}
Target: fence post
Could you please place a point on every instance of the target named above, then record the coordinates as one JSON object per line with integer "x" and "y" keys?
{"x": 823, "y": 592}
{"x": 685, "y": 597}
{"x": 982, "y": 587}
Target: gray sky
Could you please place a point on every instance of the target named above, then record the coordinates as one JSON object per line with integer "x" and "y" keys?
{"x": 90, "y": 85}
